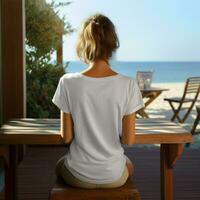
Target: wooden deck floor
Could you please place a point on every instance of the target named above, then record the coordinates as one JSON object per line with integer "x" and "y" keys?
{"x": 36, "y": 173}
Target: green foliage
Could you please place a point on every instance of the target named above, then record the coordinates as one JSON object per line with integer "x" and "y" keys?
{"x": 43, "y": 31}
{"x": 41, "y": 86}
{"x": 44, "y": 27}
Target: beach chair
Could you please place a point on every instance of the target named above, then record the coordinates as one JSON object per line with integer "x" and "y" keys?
{"x": 190, "y": 95}
{"x": 197, "y": 120}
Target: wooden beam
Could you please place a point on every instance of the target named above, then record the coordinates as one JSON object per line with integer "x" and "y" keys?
{"x": 13, "y": 58}
{"x": 13, "y": 77}
{"x": 1, "y": 119}
{"x": 59, "y": 52}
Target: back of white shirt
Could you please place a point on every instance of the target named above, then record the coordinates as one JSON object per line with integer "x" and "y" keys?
{"x": 97, "y": 106}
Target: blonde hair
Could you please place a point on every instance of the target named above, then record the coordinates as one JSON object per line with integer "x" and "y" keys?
{"x": 97, "y": 39}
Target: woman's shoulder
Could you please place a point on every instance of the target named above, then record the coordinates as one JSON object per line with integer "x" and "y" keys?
{"x": 128, "y": 79}
{"x": 69, "y": 75}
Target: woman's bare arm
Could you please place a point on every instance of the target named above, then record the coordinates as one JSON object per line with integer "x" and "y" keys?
{"x": 66, "y": 127}
{"x": 128, "y": 129}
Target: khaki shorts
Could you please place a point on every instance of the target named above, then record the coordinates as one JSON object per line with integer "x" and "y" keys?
{"x": 70, "y": 179}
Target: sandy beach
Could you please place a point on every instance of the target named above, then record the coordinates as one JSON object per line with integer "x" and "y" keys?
{"x": 161, "y": 109}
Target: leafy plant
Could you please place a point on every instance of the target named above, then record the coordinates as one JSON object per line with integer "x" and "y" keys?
{"x": 41, "y": 85}
{"x": 44, "y": 29}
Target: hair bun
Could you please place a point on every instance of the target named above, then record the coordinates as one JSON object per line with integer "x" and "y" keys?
{"x": 95, "y": 22}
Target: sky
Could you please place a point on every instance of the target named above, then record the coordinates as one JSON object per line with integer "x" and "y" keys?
{"x": 148, "y": 30}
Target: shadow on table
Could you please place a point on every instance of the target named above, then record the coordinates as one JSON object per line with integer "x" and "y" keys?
{"x": 167, "y": 114}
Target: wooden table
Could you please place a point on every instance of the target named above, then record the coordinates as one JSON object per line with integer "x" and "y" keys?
{"x": 149, "y": 94}
{"x": 46, "y": 131}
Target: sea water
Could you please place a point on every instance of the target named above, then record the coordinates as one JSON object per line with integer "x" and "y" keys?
{"x": 163, "y": 72}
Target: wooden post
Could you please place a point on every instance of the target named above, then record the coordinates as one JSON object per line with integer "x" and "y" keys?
{"x": 13, "y": 58}
{"x": 169, "y": 154}
{"x": 13, "y": 78}
{"x": 1, "y": 107}
{"x": 11, "y": 175}
{"x": 166, "y": 174}
{"x": 59, "y": 52}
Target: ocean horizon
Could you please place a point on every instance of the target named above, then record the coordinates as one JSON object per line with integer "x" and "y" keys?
{"x": 163, "y": 72}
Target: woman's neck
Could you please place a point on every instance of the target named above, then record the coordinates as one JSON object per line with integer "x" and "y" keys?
{"x": 99, "y": 65}
{"x": 99, "y": 68}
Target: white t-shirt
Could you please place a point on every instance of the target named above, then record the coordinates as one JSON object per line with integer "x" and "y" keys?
{"x": 97, "y": 106}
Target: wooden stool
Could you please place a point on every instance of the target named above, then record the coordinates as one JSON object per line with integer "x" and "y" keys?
{"x": 62, "y": 191}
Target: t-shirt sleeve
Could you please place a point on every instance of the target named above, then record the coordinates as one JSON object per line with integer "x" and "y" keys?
{"x": 60, "y": 98}
{"x": 134, "y": 101}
